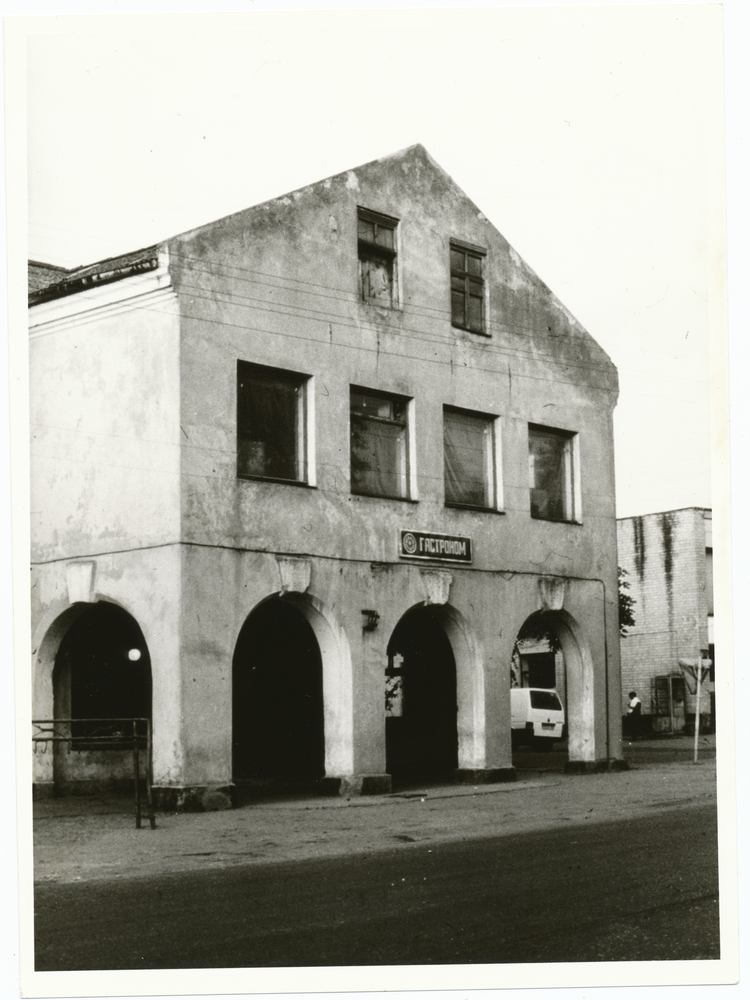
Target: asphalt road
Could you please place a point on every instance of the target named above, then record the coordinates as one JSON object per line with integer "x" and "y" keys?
{"x": 641, "y": 889}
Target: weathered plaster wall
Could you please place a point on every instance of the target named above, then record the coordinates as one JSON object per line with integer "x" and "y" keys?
{"x": 104, "y": 424}
{"x": 277, "y": 285}
{"x": 665, "y": 557}
{"x": 136, "y": 450}
{"x": 483, "y": 614}
{"x": 146, "y": 583}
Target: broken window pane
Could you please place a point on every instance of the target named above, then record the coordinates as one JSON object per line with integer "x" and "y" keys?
{"x": 377, "y": 258}
{"x": 378, "y": 445}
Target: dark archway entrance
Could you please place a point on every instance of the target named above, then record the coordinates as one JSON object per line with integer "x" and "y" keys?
{"x": 277, "y": 698}
{"x": 102, "y": 671}
{"x": 421, "y": 733}
{"x": 102, "y": 668}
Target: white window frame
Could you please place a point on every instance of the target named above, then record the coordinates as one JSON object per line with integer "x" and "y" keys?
{"x": 409, "y": 456}
{"x": 493, "y": 460}
{"x": 305, "y": 455}
{"x": 394, "y": 255}
{"x": 572, "y": 473}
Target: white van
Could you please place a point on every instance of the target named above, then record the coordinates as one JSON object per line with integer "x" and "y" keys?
{"x": 537, "y": 717}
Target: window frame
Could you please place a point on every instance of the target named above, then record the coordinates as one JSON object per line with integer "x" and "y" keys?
{"x": 407, "y": 474}
{"x": 469, "y": 250}
{"x": 367, "y": 250}
{"x": 572, "y": 483}
{"x": 493, "y": 480}
{"x": 304, "y": 407}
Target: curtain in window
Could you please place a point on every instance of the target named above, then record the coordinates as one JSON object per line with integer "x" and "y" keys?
{"x": 547, "y": 475}
{"x": 378, "y": 455}
{"x": 467, "y": 452}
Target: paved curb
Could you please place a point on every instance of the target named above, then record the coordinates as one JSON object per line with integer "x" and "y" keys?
{"x": 79, "y": 841}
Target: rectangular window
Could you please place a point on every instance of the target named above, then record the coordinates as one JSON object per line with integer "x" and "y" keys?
{"x": 551, "y": 474}
{"x": 379, "y": 445}
{"x": 468, "y": 443}
{"x": 467, "y": 288}
{"x": 270, "y": 423}
{"x": 376, "y": 241}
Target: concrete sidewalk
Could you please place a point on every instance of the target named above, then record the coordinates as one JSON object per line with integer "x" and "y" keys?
{"x": 80, "y": 838}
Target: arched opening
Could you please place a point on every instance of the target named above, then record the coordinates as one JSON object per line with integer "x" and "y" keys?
{"x": 421, "y": 730}
{"x": 277, "y": 698}
{"x": 539, "y": 684}
{"x": 102, "y": 670}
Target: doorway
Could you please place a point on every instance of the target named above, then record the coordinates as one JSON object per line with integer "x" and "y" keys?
{"x": 277, "y": 698}
{"x": 421, "y": 733}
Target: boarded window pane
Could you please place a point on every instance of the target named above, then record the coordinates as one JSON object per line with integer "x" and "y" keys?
{"x": 377, "y": 279}
{"x": 378, "y": 445}
{"x": 384, "y": 236}
{"x": 269, "y": 425}
{"x": 378, "y": 272}
{"x": 467, "y": 445}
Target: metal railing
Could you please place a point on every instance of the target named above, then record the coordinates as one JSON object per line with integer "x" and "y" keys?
{"x": 104, "y": 734}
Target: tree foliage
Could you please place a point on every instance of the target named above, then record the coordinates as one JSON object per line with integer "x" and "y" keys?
{"x": 626, "y": 602}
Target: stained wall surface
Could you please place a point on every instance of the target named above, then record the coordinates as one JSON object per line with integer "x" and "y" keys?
{"x": 146, "y": 463}
{"x": 667, "y": 557}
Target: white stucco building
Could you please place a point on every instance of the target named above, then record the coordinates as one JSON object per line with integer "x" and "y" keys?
{"x": 318, "y": 463}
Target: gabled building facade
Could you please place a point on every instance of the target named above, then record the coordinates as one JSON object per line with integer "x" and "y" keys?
{"x": 299, "y": 478}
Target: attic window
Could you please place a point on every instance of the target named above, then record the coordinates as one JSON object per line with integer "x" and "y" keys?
{"x": 376, "y": 247}
{"x": 467, "y": 287}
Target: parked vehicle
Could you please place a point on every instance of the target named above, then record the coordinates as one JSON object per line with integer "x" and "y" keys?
{"x": 537, "y": 717}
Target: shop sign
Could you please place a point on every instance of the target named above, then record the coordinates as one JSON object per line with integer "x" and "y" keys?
{"x": 431, "y": 545}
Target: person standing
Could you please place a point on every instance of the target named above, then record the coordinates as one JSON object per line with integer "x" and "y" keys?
{"x": 634, "y": 716}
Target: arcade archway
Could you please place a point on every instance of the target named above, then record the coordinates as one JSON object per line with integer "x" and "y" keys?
{"x": 551, "y": 653}
{"x": 421, "y": 726}
{"x": 102, "y": 670}
{"x": 277, "y": 698}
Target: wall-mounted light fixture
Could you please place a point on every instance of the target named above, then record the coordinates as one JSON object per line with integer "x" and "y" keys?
{"x": 371, "y": 619}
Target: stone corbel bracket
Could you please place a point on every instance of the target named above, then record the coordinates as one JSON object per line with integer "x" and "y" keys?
{"x": 80, "y": 580}
{"x": 552, "y": 592}
{"x": 294, "y": 574}
{"x": 437, "y": 585}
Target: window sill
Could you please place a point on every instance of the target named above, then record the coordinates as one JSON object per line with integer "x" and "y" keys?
{"x": 474, "y": 507}
{"x": 555, "y": 520}
{"x": 466, "y": 329}
{"x": 270, "y": 479}
{"x": 377, "y": 304}
{"x": 380, "y": 496}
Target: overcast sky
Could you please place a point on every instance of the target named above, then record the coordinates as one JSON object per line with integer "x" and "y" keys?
{"x": 589, "y": 136}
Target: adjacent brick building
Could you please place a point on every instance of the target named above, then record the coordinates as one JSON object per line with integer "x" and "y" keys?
{"x": 669, "y": 561}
